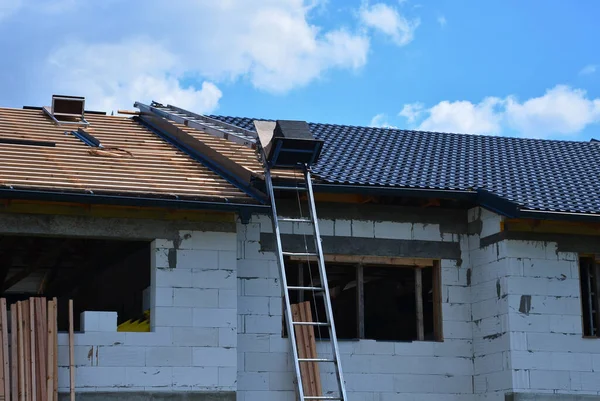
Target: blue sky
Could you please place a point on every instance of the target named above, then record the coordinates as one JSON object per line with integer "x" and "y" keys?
{"x": 491, "y": 67}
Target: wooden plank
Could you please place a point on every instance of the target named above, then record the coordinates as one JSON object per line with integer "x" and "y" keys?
{"x": 371, "y": 260}
{"x": 4, "y": 372}
{"x": 44, "y": 324}
{"x": 21, "y": 357}
{"x": 438, "y": 327}
{"x": 55, "y": 344}
{"x": 312, "y": 351}
{"x": 360, "y": 300}
{"x": 306, "y": 345}
{"x": 32, "y": 355}
{"x": 50, "y": 354}
{"x": 27, "y": 350}
{"x": 40, "y": 348}
{"x": 71, "y": 352}
{"x": 309, "y": 380}
{"x": 14, "y": 353}
{"x": 419, "y": 304}
{"x": 301, "y": 348}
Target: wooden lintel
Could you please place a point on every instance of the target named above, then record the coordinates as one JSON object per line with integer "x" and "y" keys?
{"x": 551, "y": 226}
{"x": 80, "y": 209}
{"x": 371, "y": 260}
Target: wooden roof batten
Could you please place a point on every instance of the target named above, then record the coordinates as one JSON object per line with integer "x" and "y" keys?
{"x": 161, "y": 120}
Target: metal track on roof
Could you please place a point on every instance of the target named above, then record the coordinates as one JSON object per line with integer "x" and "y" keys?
{"x": 205, "y": 124}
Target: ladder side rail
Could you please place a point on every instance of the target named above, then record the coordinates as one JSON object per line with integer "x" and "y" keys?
{"x": 284, "y": 285}
{"x": 323, "y": 273}
{"x": 192, "y": 121}
{"x": 210, "y": 120}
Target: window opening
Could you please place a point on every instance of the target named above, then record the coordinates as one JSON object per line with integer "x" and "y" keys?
{"x": 589, "y": 284}
{"x": 99, "y": 275}
{"x": 373, "y": 302}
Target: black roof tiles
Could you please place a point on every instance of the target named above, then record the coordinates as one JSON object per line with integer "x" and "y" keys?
{"x": 535, "y": 174}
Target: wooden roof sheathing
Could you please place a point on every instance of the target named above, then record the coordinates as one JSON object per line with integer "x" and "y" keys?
{"x": 153, "y": 168}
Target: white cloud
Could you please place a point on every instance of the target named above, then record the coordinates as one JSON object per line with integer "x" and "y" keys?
{"x": 412, "y": 111}
{"x": 380, "y": 121}
{"x": 561, "y": 111}
{"x": 464, "y": 116}
{"x": 442, "y": 21}
{"x": 272, "y": 44}
{"x": 389, "y": 21}
{"x": 588, "y": 69}
{"x": 145, "y": 71}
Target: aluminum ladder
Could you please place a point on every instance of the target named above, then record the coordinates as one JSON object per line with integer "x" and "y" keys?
{"x": 206, "y": 124}
{"x": 324, "y": 288}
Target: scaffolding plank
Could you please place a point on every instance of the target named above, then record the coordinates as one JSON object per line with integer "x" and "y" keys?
{"x": 5, "y": 369}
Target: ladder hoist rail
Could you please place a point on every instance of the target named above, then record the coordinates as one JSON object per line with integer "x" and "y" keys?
{"x": 323, "y": 289}
{"x": 250, "y": 139}
{"x": 205, "y": 124}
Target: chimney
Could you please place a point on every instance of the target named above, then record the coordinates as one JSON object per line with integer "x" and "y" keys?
{"x": 67, "y": 110}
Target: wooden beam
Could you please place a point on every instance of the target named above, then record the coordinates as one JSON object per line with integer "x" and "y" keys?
{"x": 32, "y": 351}
{"x": 4, "y": 350}
{"x": 419, "y": 304}
{"x": 371, "y": 260}
{"x": 21, "y": 358}
{"x": 14, "y": 353}
{"x": 360, "y": 301}
{"x": 79, "y": 209}
{"x": 50, "y": 354}
{"x": 55, "y": 345}
{"x": 551, "y": 226}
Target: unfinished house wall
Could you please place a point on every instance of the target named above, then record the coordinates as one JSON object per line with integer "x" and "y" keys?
{"x": 488, "y": 266}
{"x": 527, "y": 314}
{"x": 374, "y": 370}
{"x": 192, "y": 347}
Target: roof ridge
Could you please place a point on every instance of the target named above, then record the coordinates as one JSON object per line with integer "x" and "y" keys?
{"x": 407, "y": 131}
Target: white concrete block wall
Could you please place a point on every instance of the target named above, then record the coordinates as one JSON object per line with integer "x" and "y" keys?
{"x": 491, "y": 340}
{"x": 374, "y": 370}
{"x": 192, "y": 346}
{"x": 548, "y": 350}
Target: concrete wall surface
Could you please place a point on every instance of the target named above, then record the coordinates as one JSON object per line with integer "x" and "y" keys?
{"x": 373, "y": 370}
{"x": 511, "y": 318}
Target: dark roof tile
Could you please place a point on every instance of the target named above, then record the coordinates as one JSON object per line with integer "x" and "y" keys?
{"x": 537, "y": 174}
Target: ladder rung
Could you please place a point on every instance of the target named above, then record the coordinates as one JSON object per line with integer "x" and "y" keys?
{"x": 296, "y": 288}
{"x": 284, "y": 188}
{"x": 323, "y": 397}
{"x": 310, "y": 323}
{"x": 291, "y": 220}
{"x": 315, "y": 360}
{"x": 299, "y": 254}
